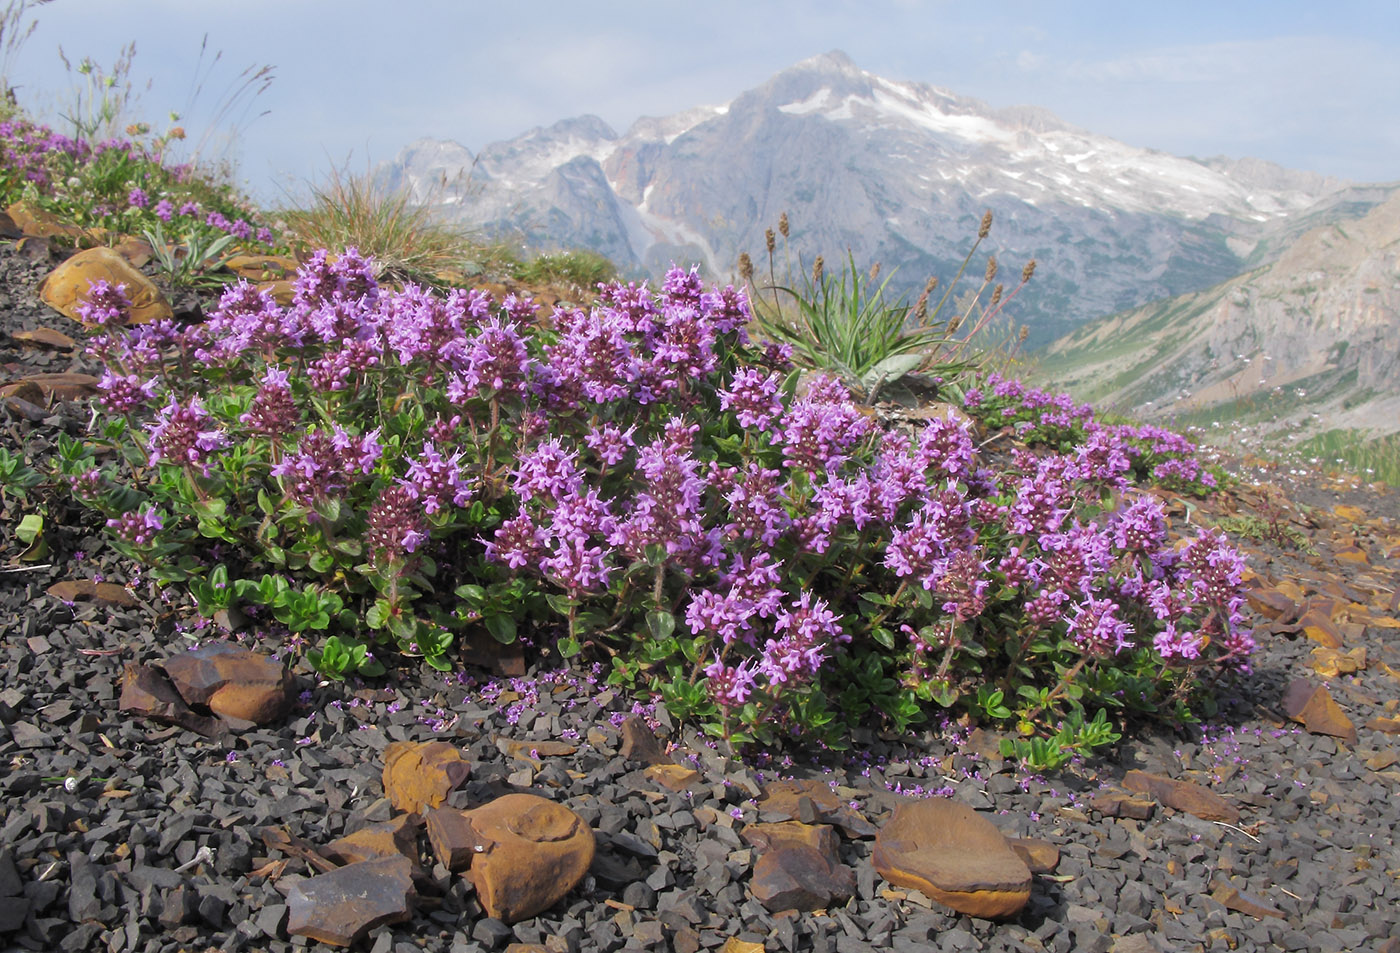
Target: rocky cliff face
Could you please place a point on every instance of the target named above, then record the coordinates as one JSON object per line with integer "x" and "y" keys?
{"x": 1307, "y": 341}
{"x": 895, "y": 172}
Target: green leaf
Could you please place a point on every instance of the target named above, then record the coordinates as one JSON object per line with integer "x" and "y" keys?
{"x": 377, "y": 615}
{"x": 660, "y": 624}
{"x": 321, "y": 562}
{"x": 30, "y": 528}
{"x": 501, "y": 627}
{"x": 569, "y": 647}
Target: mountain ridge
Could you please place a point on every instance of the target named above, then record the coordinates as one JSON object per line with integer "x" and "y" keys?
{"x": 895, "y": 171}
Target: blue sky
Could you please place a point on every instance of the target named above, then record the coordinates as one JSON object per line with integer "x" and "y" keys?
{"x": 1309, "y": 85}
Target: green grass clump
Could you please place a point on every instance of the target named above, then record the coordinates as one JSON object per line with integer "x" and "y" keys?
{"x": 850, "y": 325}
{"x": 580, "y": 269}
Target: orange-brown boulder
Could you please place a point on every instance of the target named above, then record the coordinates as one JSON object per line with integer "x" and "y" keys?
{"x": 420, "y": 775}
{"x": 953, "y": 855}
{"x": 538, "y": 852}
{"x": 66, "y": 287}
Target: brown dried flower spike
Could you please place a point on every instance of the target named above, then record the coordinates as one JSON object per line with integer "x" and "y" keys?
{"x": 783, "y": 224}
{"x": 986, "y": 226}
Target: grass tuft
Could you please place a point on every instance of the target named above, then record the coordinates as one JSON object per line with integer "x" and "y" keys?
{"x": 404, "y": 239}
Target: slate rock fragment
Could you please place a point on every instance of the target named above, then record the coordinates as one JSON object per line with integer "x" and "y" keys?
{"x": 341, "y": 906}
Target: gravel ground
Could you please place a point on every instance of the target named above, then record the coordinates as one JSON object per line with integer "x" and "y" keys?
{"x": 103, "y": 816}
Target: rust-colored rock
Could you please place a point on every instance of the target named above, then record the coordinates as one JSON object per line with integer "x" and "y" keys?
{"x": 341, "y": 906}
{"x": 541, "y": 851}
{"x": 953, "y": 855}
{"x": 676, "y": 777}
{"x": 25, "y": 390}
{"x": 73, "y": 590}
{"x": 66, "y": 287}
{"x": 46, "y": 338}
{"x": 1251, "y": 905}
{"x": 639, "y": 742}
{"x": 1311, "y": 706}
{"x": 137, "y": 251}
{"x": 455, "y": 842}
{"x": 147, "y": 691}
{"x": 1329, "y": 663}
{"x": 1183, "y": 796}
{"x": 813, "y": 802}
{"x": 533, "y": 751}
{"x": 262, "y": 267}
{"x": 420, "y": 775}
{"x": 395, "y": 838}
{"x": 35, "y": 222}
{"x": 241, "y": 686}
{"x": 1390, "y": 726}
{"x": 1119, "y": 804}
{"x": 63, "y": 386}
{"x": 820, "y": 837}
{"x": 1272, "y": 604}
{"x": 282, "y": 291}
{"x": 1321, "y": 629}
{"x": 1041, "y": 856}
{"x": 800, "y": 878}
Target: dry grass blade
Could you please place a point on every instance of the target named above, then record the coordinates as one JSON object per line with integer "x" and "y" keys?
{"x": 404, "y": 238}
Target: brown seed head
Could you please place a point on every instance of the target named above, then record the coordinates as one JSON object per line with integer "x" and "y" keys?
{"x": 996, "y": 296}
{"x": 783, "y": 224}
{"x": 874, "y": 271}
{"x": 930, "y": 285}
{"x": 991, "y": 269}
{"x": 746, "y": 267}
{"x": 770, "y": 240}
{"x": 921, "y": 308}
{"x": 1025, "y": 333}
{"x": 1027, "y": 271}
{"x": 953, "y": 324}
{"x": 817, "y": 267}
{"x": 986, "y": 225}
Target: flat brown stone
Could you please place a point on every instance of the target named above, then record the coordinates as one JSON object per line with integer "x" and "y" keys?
{"x": 1041, "y": 856}
{"x": 1329, "y": 663}
{"x": 1311, "y": 706}
{"x": 262, "y": 267}
{"x": 639, "y": 742}
{"x": 66, "y": 287}
{"x": 795, "y": 877}
{"x": 1251, "y": 905}
{"x": 533, "y": 751}
{"x": 1320, "y": 629}
{"x": 147, "y": 691}
{"x": 74, "y": 590}
{"x": 46, "y": 338}
{"x": 1272, "y": 604}
{"x": 341, "y": 906}
{"x": 420, "y": 775}
{"x": 953, "y": 855}
{"x": 1390, "y": 726}
{"x": 541, "y": 850}
{"x": 819, "y": 837}
{"x": 241, "y": 686}
{"x": 68, "y": 385}
{"x": 35, "y": 222}
{"x": 813, "y": 802}
{"x": 676, "y": 777}
{"x": 1183, "y": 796}
{"x": 1119, "y": 804}
{"x": 395, "y": 838}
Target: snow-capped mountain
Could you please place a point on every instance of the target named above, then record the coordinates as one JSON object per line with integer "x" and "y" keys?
{"x": 896, "y": 172}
